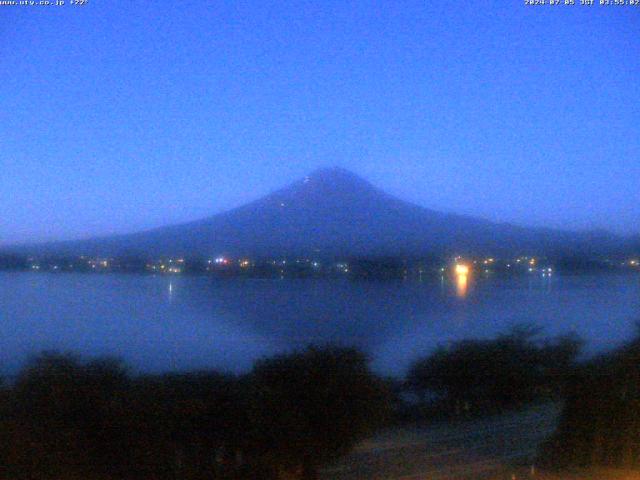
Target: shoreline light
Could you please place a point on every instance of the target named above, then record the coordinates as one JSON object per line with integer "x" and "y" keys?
{"x": 462, "y": 269}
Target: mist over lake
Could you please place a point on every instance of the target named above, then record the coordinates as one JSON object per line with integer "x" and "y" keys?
{"x": 161, "y": 323}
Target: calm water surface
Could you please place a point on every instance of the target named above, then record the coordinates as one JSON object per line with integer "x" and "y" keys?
{"x": 174, "y": 323}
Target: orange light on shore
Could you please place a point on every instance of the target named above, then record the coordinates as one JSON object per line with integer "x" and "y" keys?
{"x": 462, "y": 269}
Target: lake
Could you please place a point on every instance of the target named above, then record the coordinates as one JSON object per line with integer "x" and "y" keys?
{"x": 160, "y": 323}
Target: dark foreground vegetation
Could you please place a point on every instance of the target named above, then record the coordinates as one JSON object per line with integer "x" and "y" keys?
{"x": 600, "y": 422}
{"x": 63, "y": 418}
{"x": 478, "y": 377}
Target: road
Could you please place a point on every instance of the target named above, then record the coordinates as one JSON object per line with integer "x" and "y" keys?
{"x": 478, "y": 449}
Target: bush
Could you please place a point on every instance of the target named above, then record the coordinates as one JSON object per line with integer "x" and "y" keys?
{"x": 63, "y": 418}
{"x": 485, "y": 376}
{"x": 311, "y": 407}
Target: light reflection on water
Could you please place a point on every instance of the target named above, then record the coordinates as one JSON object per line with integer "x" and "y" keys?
{"x": 462, "y": 285}
{"x": 160, "y": 323}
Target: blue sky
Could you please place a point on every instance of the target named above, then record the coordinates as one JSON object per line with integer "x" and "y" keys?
{"x": 120, "y": 116}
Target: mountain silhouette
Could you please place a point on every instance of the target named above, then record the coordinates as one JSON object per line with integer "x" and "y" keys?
{"x": 333, "y": 212}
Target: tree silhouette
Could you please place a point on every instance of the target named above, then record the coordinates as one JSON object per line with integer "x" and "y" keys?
{"x": 64, "y": 417}
{"x": 309, "y": 408}
{"x": 483, "y": 376}
{"x": 600, "y": 421}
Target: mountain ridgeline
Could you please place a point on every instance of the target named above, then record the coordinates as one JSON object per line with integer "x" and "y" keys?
{"x": 333, "y": 212}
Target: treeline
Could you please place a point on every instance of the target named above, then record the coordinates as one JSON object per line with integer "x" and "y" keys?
{"x": 64, "y": 418}
{"x": 13, "y": 262}
{"x": 373, "y": 268}
{"x": 355, "y": 268}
